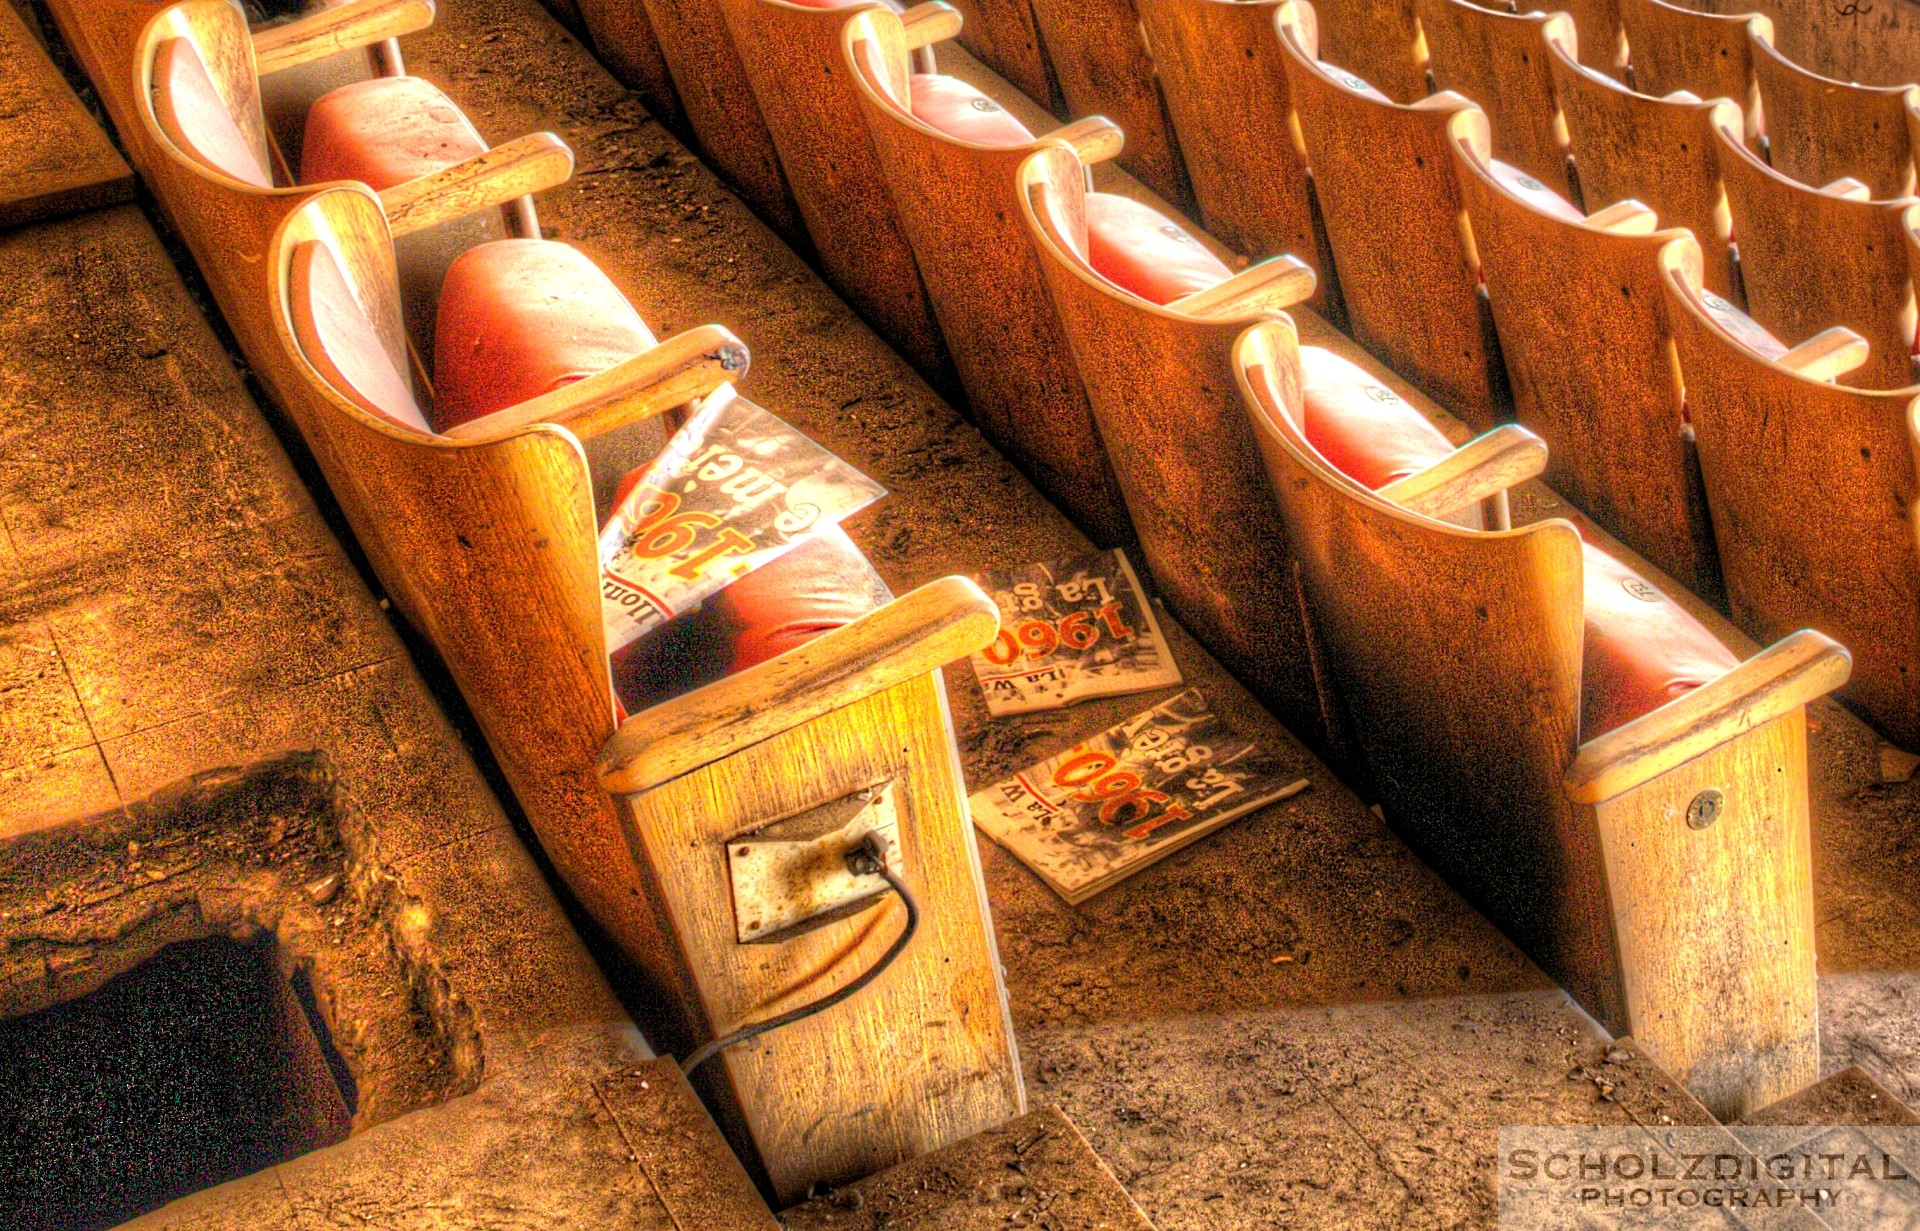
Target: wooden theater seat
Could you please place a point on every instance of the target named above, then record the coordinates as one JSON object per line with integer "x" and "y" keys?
{"x": 399, "y": 135}
{"x": 950, "y": 156}
{"x": 1709, "y": 55}
{"x": 487, "y": 540}
{"x": 1376, "y": 40}
{"x": 1812, "y": 258}
{"x": 1571, "y": 749}
{"x": 1820, "y": 130}
{"x": 791, "y": 54}
{"x": 1499, "y": 60}
{"x": 1582, "y": 321}
{"x": 1226, "y": 91}
{"x": 1812, "y": 486}
{"x": 1100, "y": 57}
{"x": 1629, "y": 146}
{"x": 1151, "y": 320}
{"x": 1383, "y": 174}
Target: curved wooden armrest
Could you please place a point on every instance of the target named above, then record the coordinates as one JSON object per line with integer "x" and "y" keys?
{"x": 941, "y": 621}
{"x": 1828, "y": 354}
{"x": 1627, "y": 217}
{"x": 1483, "y": 467}
{"x": 686, "y": 366}
{"x": 1271, "y": 286}
{"x": 1778, "y": 680}
{"x": 1847, "y": 188}
{"x": 933, "y": 22}
{"x": 520, "y": 167}
{"x": 341, "y": 28}
{"x": 1095, "y": 139}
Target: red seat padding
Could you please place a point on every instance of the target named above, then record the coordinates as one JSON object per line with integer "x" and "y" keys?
{"x": 1364, "y": 429}
{"x": 819, "y": 586}
{"x": 384, "y": 132}
{"x": 194, "y": 116}
{"x": 1535, "y": 193}
{"x": 963, "y": 113}
{"x": 339, "y": 339}
{"x": 522, "y": 317}
{"x": 1140, "y": 249}
{"x": 1642, "y": 648}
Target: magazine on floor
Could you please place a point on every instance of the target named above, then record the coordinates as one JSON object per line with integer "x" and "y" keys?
{"x": 734, "y": 489}
{"x": 1070, "y": 629}
{"x": 1092, "y": 816}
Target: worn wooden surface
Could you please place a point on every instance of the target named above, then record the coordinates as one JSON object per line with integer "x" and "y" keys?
{"x": 622, "y": 36}
{"x": 1036, "y": 1170}
{"x": 1457, "y": 654}
{"x": 1100, "y": 59}
{"x": 1810, "y": 260}
{"x": 1380, "y": 42}
{"x": 54, "y": 159}
{"x": 1811, "y": 486}
{"x": 1583, "y": 331}
{"x": 1658, "y": 151}
{"x": 1006, "y": 38}
{"x": 1819, "y": 129}
{"x": 792, "y": 57}
{"x": 1848, "y": 1097}
{"x": 1499, "y": 60}
{"x": 1674, "y": 48}
{"x": 674, "y": 1142}
{"x": 958, "y": 206}
{"x": 1384, "y": 176}
{"x": 920, "y": 1058}
{"x": 1226, "y": 90}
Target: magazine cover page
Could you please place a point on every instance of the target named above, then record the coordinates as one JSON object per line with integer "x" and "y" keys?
{"x": 1086, "y": 819}
{"x": 1070, "y": 629}
{"x": 734, "y": 489}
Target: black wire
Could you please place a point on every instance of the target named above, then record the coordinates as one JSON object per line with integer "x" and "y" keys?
{"x": 714, "y": 1047}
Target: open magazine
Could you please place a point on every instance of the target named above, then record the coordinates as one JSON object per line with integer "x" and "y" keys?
{"x": 734, "y": 489}
{"x": 1090, "y": 817}
{"x": 1070, "y": 629}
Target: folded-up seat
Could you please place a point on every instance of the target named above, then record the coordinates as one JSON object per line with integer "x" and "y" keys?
{"x": 1562, "y": 741}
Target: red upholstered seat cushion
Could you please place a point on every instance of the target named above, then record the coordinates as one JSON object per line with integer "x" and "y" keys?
{"x": 1535, "y": 193}
{"x": 522, "y": 317}
{"x": 963, "y": 113}
{"x": 194, "y": 116}
{"x": 384, "y": 132}
{"x": 339, "y": 339}
{"x": 1364, "y": 429}
{"x": 1642, "y": 648}
{"x": 819, "y": 586}
{"x": 1138, "y": 248}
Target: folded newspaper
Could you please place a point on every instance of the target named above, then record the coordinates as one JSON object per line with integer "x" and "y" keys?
{"x": 1069, "y": 630}
{"x": 1097, "y": 813}
{"x": 734, "y": 489}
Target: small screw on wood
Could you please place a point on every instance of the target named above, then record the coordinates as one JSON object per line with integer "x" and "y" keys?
{"x": 1705, "y": 808}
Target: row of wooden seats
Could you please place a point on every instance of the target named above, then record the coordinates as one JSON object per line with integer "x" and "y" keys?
{"x": 1089, "y": 326}
{"x": 453, "y": 421}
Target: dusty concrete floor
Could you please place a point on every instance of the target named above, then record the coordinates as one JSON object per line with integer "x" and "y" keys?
{"x": 1358, "y": 1084}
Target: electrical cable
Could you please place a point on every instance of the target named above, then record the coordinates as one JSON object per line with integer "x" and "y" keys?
{"x": 869, "y": 858}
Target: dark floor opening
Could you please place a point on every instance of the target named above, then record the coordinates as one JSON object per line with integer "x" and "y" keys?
{"x": 203, "y": 1065}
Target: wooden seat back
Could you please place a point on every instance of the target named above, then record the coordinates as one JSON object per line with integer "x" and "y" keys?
{"x": 1160, "y": 381}
{"x": 1583, "y": 329}
{"x": 1820, "y": 130}
{"x": 1378, "y": 40}
{"x": 958, "y": 205}
{"x": 1006, "y": 38}
{"x": 1813, "y": 259}
{"x": 1658, "y": 151}
{"x": 1383, "y": 174}
{"x": 1457, "y": 656}
{"x": 1103, "y": 67}
{"x": 1499, "y": 60}
{"x": 1812, "y": 486}
{"x": 791, "y": 55}
{"x": 1707, "y": 54}
{"x": 1226, "y": 89}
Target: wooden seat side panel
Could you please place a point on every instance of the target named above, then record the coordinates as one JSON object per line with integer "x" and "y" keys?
{"x": 922, "y": 1057}
{"x": 1226, "y": 90}
{"x": 812, "y": 110}
{"x": 1812, "y": 488}
{"x": 1811, "y": 261}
